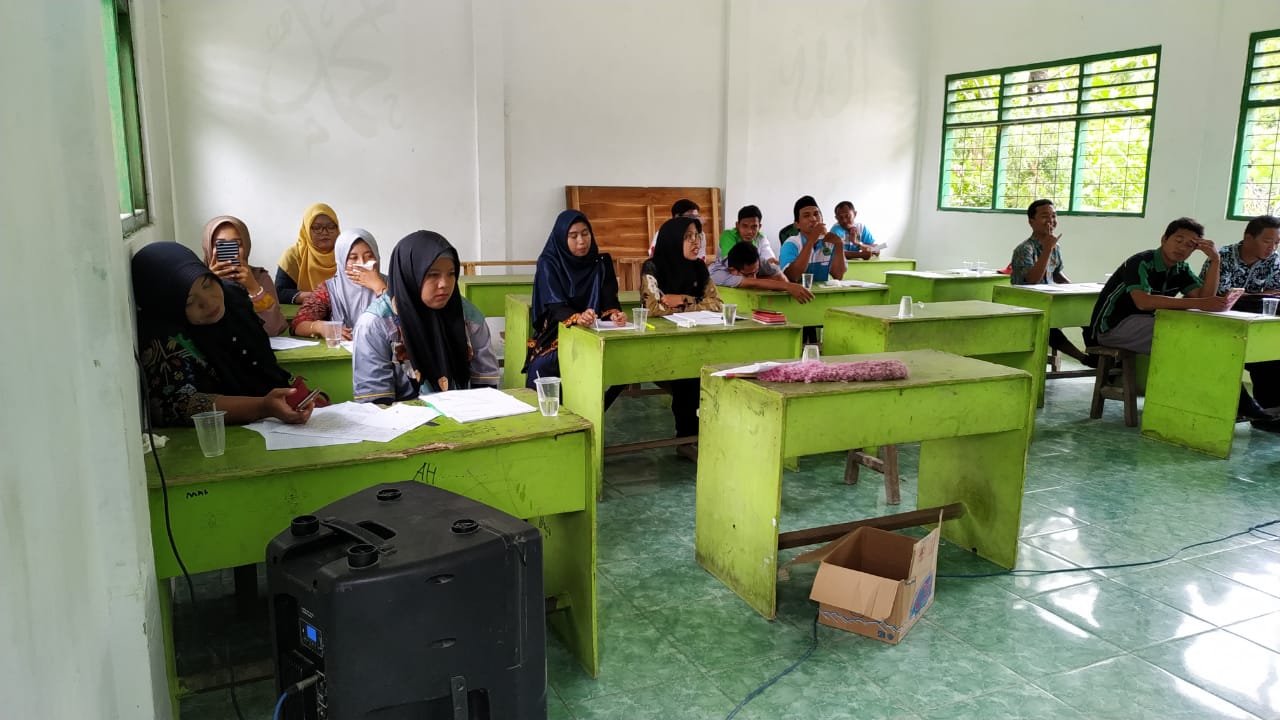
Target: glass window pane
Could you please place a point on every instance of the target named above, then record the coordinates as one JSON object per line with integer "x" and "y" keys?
{"x": 1112, "y": 171}
{"x": 968, "y": 167}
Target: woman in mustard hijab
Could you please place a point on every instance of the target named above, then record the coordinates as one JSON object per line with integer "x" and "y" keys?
{"x": 309, "y": 261}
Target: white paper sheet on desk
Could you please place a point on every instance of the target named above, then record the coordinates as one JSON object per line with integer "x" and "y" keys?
{"x": 1238, "y": 314}
{"x": 696, "y": 317}
{"x": 467, "y": 406}
{"x": 286, "y": 441}
{"x": 750, "y": 370}
{"x": 346, "y": 423}
{"x": 280, "y": 342}
{"x": 608, "y": 325}
{"x": 1064, "y": 287}
{"x": 852, "y": 283}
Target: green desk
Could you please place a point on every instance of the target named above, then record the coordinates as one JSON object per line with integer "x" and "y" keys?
{"x": 1003, "y": 334}
{"x": 874, "y": 270}
{"x": 1193, "y": 385}
{"x": 810, "y": 313}
{"x": 970, "y": 417}
{"x": 224, "y": 510}
{"x": 324, "y": 368}
{"x": 487, "y": 291}
{"x": 290, "y": 312}
{"x": 591, "y": 361}
{"x": 940, "y": 286}
{"x": 1064, "y": 307}
{"x": 519, "y": 327}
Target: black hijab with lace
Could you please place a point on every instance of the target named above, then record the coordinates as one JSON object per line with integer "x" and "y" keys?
{"x": 674, "y": 272}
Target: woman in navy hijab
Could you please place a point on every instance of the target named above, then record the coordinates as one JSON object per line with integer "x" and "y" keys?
{"x": 574, "y": 284}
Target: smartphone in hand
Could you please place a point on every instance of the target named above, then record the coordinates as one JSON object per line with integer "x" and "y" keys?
{"x": 304, "y": 402}
{"x": 226, "y": 251}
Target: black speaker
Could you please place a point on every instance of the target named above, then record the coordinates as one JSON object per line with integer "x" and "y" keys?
{"x": 409, "y": 602}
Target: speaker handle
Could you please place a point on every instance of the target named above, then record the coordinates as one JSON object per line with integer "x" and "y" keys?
{"x": 354, "y": 531}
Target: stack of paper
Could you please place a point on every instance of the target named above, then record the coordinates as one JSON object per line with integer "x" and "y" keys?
{"x": 833, "y": 283}
{"x": 750, "y": 370}
{"x": 287, "y": 343}
{"x": 1064, "y": 287}
{"x": 467, "y": 406}
{"x": 696, "y": 317}
{"x": 602, "y": 325}
{"x": 345, "y": 423}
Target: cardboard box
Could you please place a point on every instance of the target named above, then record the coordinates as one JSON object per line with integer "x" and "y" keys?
{"x": 876, "y": 583}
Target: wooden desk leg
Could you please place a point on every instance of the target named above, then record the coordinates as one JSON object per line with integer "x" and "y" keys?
{"x": 886, "y": 464}
{"x": 583, "y": 389}
{"x": 569, "y": 569}
{"x": 737, "y": 522}
{"x": 986, "y": 473}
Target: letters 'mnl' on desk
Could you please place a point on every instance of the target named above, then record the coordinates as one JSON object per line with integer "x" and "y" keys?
{"x": 970, "y": 417}
{"x": 224, "y": 510}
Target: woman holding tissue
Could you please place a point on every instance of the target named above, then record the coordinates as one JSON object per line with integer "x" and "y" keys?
{"x": 423, "y": 336}
{"x": 574, "y": 284}
{"x": 309, "y": 261}
{"x": 226, "y": 252}
{"x": 675, "y": 280}
{"x": 343, "y": 297}
{"x": 201, "y": 344}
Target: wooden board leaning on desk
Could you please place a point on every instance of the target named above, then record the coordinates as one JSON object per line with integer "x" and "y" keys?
{"x": 518, "y": 330}
{"x": 224, "y": 510}
{"x": 1003, "y": 334}
{"x": 1193, "y": 386}
{"x": 969, "y": 416}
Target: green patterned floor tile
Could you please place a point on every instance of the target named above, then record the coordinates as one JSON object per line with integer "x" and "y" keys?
{"x": 691, "y": 698}
{"x": 722, "y": 631}
{"x": 1264, "y": 631}
{"x": 1128, "y": 688}
{"x": 1239, "y": 671}
{"x": 1033, "y": 641}
{"x": 1119, "y": 615}
{"x": 1251, "y": 565}
{"x": 1202, "y": 593}
{"x": 1015, "y": 703}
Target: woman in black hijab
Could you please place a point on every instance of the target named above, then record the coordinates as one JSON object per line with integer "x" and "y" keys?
{"x": 675, "y": 280}
{"x": 423, "y": 336}
{"x": 573, "y": 285}
{"x": 202, "y": 345}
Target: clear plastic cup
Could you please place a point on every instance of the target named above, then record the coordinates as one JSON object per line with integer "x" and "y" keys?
{"x": 905, "y": 308}
{"x": 331, "y": 330}
{"x": 806, "y": 280}
{"x": 640, "y": 318}
{"x": 548, "y": 395}
{"x": 1269, "y": 305}
{"x": 730, "y": 314}
{"x": 211, "y": 430}
{"x": 810, "y": 353}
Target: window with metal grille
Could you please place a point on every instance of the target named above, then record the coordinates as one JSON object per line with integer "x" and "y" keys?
{"x": 1255, "y": 178}
{"x": 1075, "y": 131}
{"x": 126, "y": 123}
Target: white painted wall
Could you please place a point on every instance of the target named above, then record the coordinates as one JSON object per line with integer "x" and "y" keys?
{"x": 79, "y": 622}
{"x": 609, "y": 93}
{"x": 369, "y": 107}
{"x": 823, "y": 101}
{"x": 1201, "y": 74}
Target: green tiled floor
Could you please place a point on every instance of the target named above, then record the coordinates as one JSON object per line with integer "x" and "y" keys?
{"x": 1195, "y": 637}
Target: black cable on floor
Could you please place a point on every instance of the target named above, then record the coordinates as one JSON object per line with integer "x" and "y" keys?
{"x": 813, "y": 645}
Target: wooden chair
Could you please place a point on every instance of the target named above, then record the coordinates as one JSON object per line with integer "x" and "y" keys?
{"x": 886, "y": 464}
{"x": 1104, "y": 388}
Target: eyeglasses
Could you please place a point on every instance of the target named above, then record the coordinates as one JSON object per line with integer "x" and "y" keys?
{"x": 694, "y": 239}
{"x": 324, "y": 229}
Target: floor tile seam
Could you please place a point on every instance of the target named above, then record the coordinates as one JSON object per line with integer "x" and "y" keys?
{"x": 1228, "y": 577}
{"x": 1227, "y": 628}
{"x": 1196, "y": 684}
{"x": 1156, "y": 600}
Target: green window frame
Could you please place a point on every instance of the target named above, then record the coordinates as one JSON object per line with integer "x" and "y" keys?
{"x": 126, "y": 122}
{"x": 1255, "y": 171}
{"x": 1077, "y": 131}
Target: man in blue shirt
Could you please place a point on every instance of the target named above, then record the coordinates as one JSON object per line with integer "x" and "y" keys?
{"x": 815, "y": 249}
{"x": 858, "y": 242}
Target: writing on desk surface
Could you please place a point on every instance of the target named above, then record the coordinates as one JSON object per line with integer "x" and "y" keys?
{"x": 196, "y": 493}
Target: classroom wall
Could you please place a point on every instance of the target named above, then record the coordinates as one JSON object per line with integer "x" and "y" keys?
{"x": 1201, "y": 74}
{"x": 405, "y": 114}
{"x": 823, "y": 100}
{"x": 79, "y": 620}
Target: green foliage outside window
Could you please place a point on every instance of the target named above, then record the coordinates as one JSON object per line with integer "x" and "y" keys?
{"x": 126, "y": 125}
{"x": 1255, "y": 182}
{"x": 1075, "y": 131}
